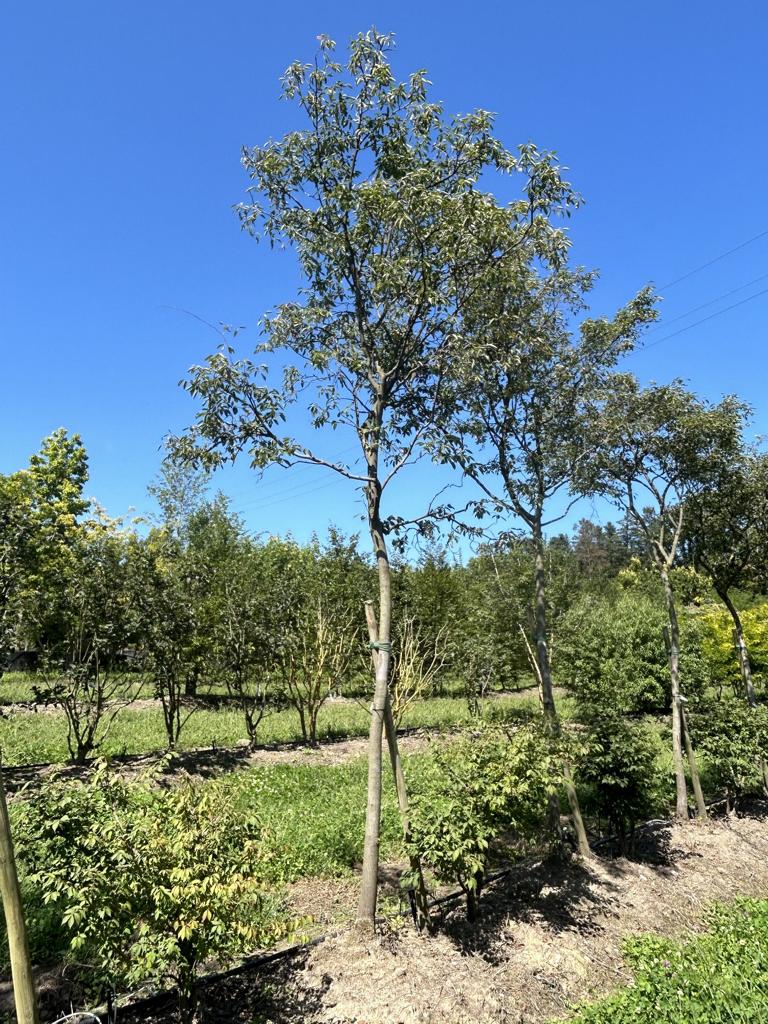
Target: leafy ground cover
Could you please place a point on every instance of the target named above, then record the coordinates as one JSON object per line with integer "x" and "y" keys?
{"x": 720, "y": 977}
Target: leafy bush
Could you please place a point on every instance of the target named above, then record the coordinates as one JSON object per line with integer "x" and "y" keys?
{"x": 734, "y": 739}
{"x": 717, "y": 978}
{"x": 718, "y": 647}
{"x": 474, "y": 791}
{"x": 610, "y": 652}
{"x": 620, "y": 766}
{"x": 148, "y": 884}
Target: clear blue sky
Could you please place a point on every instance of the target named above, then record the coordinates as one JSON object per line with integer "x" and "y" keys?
{"x": 122, "y": 126}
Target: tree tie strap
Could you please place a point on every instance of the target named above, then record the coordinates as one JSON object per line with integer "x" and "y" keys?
{"x": 380, "y": 645}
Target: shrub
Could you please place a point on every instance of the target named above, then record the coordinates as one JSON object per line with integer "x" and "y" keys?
{"x": 734, "y": 739}
{"x": 148, "y": 884}
{"x": 474, "y": 791}
{"x": 620, "y": 765}
{"x": 610, "y": 652}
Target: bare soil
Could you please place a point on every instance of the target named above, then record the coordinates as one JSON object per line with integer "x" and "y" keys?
{"x": 547, "y": 937}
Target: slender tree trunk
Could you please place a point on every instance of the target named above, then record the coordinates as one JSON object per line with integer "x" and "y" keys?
{"x": 701, "y": 807}
{"x": 18, "y": 947}
{"x": 547, "y": 694}
{"x": 303, "y": 721}
{"x": 418, "y": 894}
{"x": 741, "y": 648}
{"x": 366, "y": 908}
{"x": 673, "y": 649}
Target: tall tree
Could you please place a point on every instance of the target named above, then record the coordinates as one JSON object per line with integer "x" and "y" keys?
{"x": 659, "y": 447}
{"x": 521, "y": 430}
{"x": 726, "y": 533}
{"x": 53, "y": 485}
{"x": 379, "y": 196}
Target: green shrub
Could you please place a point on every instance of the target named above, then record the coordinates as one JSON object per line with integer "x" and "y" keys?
{"x": 611, "y": 653}
{"x": 717, "y": 978}
{"x": 148, "y": 884}
{"x": 620, "y": 765}
{"x": 472, "y": 792}
{"x": 733, "y": 737}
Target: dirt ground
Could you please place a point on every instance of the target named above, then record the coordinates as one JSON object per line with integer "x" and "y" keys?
{"x": 547, "y": 937}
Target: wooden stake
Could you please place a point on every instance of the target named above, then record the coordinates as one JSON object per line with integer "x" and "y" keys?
{"x": 585, "y": 850}
{"x": 21, "y": 966}
{"x": 701, "y": 807}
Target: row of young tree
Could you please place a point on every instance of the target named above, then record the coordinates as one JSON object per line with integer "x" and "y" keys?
{"x": 195, "y": 607}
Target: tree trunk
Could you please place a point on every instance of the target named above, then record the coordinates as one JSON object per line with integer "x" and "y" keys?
{"x": 546, "y": 692}
{"x": 18, "y": 947}
{"x": 366, "y": 907}
{"x": 418, "y": 894}
{"x": 673, "y": 650}
{"x": 741, "y": 648}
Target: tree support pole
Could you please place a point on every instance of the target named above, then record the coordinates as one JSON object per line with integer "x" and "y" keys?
{"x": 673, "y": 648}
{"x": 18, "y": 947}
{"x": 547, "y": 701}
{"x": 701, "y": 807}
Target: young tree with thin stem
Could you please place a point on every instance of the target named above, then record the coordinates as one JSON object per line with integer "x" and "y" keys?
{"x": 521, "y": 429}
{"x": 83, "y": 672}
{"x": 255, "y": 601}
{"x": 379, "y": 196}
{"x": 660, "y": 447}
{"x": 169, "y": 640}
{"x": 315, "y": 658}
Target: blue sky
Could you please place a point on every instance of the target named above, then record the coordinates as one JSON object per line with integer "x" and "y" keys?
{"x": 122, "y": 126}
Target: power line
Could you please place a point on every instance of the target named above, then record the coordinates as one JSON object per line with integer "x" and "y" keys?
{"x": 711, "y": 302}
{"x": 256, "y": 508}
{"x": 266, "y": 489}
{"x": 715, "y": 259}
{"x": 720, "y": 312}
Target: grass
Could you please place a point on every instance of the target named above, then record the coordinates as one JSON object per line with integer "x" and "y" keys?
{"x": 314, "y": 816}
{"x": 30, "y": 738}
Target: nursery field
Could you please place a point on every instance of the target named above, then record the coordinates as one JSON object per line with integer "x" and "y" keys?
{"x": 481, "y": 762}
{"x": 38, "y": 735}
